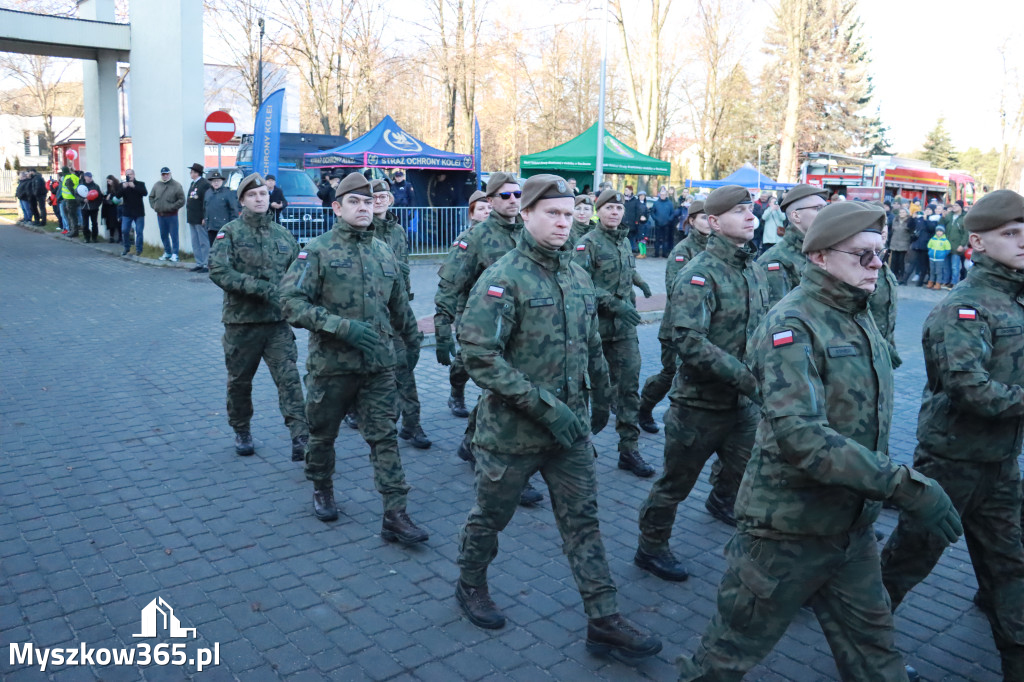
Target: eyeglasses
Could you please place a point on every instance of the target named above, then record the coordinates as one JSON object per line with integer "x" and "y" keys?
{"x": 866, "y": 257}
{"x": 381, "y": 197}
{"x": 508, "y": 195}
{"x": 811, "y": 208}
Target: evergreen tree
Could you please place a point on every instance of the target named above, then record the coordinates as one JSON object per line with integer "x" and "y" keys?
{"x": 938, "y": 147}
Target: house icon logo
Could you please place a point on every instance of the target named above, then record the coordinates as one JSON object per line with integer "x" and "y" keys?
{"x": 158, "y": 614}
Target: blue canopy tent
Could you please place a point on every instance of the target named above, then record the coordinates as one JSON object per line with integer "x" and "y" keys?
{"x": 388, "y": 146}
{"x": 745, "y": 176}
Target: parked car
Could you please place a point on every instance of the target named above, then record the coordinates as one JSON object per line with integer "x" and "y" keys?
{"x": 303, "y": 217}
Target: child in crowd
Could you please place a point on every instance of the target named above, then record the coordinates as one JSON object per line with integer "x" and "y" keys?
{"x": 938, "y": 251}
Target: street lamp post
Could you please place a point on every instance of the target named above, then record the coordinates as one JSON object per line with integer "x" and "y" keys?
{"x": 262, "y": 25}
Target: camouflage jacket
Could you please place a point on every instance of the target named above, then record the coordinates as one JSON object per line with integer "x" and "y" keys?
{"x": 529, "y": 335}
{"x": 718, "y": 298}
{"x": 391, "y": 232}
{"x": 347, "y": 274}
{"x": 973, "y": 403}
{"x": 608, "y": 259}
{"x": 784, "y": 263}
{"x": 481, "y": 247}
{"x": 576, "y": 233}
{"x": 883, "y": 304}
{"x": 818, "y": 465}
{"x": 247, "y": 251}
{"x": 681, "y": 254}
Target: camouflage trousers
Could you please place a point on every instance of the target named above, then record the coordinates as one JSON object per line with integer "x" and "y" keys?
{"x": 692, "y": 435}
{"x": 405, "y": 380}
{"x": 763, "y": 588}
{"x": 658, "y": 385}
{"x": 572, "y": 483}
{"x": 623, "y": 356}
{"x": 988, "y": 497}
{"x": 244, "y": 346}
{"x": 328, "y": 400}
{"x": 457, "y": 375}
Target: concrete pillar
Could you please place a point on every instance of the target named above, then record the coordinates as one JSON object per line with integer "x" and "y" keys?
{"x": 166, "y": 96}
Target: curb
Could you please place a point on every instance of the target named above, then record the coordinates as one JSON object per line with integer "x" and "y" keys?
{"x": 99, "y": 246}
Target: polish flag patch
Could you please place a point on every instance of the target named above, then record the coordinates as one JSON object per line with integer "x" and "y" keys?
{"x": 221, "y": 235}
{"x": 774, "y": 266}
{"x": 968, "y": 314}
{"x": 463, "y": 245}
{"x": 680, "y": 259}
{"x": 782, "y": 338}
{"x": 698, "y": 280}
{"x": 455, "y": 243}
{"x": 302, "y": 255}
{"x": 581, "y": 247}
{"x": 497, "y": 292}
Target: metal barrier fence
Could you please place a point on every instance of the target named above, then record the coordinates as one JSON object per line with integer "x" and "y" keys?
{"x": 430, "y": 231}
{"x": 8, "y": 182}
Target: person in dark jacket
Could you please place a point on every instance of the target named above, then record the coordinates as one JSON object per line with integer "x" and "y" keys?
{"x": 91, "y": 209}
{"x": 21, "y": 193}
{"x": 220, "y": 205}
{"x": 325, "y": 190}
{"x": 194, "y": 214}
{"x": 922, "y": 230}
{"x": 53, "y": 188}
{"x": 133, "y": 211}
{"x": 112, "y": 210}
{"x": 402, "y": 190}
{"x": 37, "y": 197}
{"x": 662, "y": 213}
{"x": 277, "y": 201}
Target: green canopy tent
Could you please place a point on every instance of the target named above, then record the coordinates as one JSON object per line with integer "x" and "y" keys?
{"x": 577, "y": 158}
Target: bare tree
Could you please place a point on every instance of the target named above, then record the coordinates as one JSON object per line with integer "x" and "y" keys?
{"x": 42, "y": 90}
{"x": 1011, "y": 116}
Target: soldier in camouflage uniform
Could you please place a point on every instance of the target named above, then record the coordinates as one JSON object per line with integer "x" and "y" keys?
{"x": 883, "y": 304}
{"x": 657, "y": 385}
{"x": 248, "y": 259}
{"x": 784, "y": 262}
{"x": 481, "y": 248}
{"x": 582, "y": 212}
{"x": 971, "y": 425}
{"x": 605, "y": 254}
{"x": 530, "y": 339}
{"x": 388, "y": 229}
{"x": 811, "y": 491}
{"x": 346, "y": 288}
{"x": 479, "y": 209}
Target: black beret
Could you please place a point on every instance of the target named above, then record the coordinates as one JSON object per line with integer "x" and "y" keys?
{"x": 725, "y": 198}
{"x": 544, "y": 186}
{"x": 840, "y": 221}
{"x": 609, "y": 196}
{"x": 354, "y": 183}
{"x": 802, "y": 192}
{"x": 497, "y": 180}
{"x": 995, "y": 209}
{"x": 251, "y": 181}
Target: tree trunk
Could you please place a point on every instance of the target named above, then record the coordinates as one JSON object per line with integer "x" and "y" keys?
{"x": 794, "y": 18}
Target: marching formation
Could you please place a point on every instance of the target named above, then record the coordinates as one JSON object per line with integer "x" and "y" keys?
{"x": 781, "y": 365}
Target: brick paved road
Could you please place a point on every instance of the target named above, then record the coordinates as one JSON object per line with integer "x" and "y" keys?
{"x": 119, "y": 483}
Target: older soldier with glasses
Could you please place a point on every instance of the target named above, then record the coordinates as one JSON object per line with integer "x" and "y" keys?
{"x": 818, "y": 472}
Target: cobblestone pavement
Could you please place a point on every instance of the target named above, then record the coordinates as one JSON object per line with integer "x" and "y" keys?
{"x": 118, "y": 484}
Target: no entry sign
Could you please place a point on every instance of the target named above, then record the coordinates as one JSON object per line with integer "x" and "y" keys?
{"x": 220, "y": 127}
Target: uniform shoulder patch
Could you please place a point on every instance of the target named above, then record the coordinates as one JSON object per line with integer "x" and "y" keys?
{"x": 783, "y": 338}
{"x": 302, "y": 255}
{"x": 495, "y": 291}
{"x": 698, "y": 280}
{"x": 967, "y": 314}
{"x": 581, "y": 247}
{"x": 680, "y": 259}
{"x": 221, "y": 235}
{"x": 463, "y": 245}
{"x": 774, "y": 265}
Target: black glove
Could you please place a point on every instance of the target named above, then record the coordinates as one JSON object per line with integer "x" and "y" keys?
{"x": 360, "y": 335}
{"x": 444, "y": 344}
{"x": 924, "y": 499}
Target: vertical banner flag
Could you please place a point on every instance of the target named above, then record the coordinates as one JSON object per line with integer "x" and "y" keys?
{"x": 266, "y": 137}
{"x": 476, "y": 151}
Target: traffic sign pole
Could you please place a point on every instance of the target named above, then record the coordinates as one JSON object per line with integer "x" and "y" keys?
{"x": 220, "y": 128}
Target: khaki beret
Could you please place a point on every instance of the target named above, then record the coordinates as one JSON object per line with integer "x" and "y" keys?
{"x": 544, "y": 186}
{"x": 354, "y": 183}
{"x": 497, "y": 180}
{"x": 840, "y": 221}
{"x": 475, "y": 197}
{"x": 696, "y": 208}
{"x": 995, "y": 209}
{"x": 251, "y": 181}
{"x": 584, "y": 199}
{"x": 802, "y": 192}
{"x": 609, "y": 196}
{"x": 380, "y": 186}
{"x": 725, "y": 198}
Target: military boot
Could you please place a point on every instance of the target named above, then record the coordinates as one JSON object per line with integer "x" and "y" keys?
{"x": 415, "y": 436}
{"x": 299, "y": 444}
{"x": 243, "y": 443}
{"x": 457, "y": 403}
{"x": 721, "y": 508}
{"x": 615, "y": 634}
{"x": 530, "y": 496}
{"x": 466, "y": 452}
{"x": 645, "y": 420}
{"x": 478, "y": 606}
{"x": 631, "y": 461}
{"x": 352, "y": 420}
{"x": 324, "y": 507}
{"x": 397, "y": 526}
{"x": 912, "y": 673}
{"x": 665, "y": 565}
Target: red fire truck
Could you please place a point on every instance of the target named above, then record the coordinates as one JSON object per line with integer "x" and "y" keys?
{"x": 885, "y": 177}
